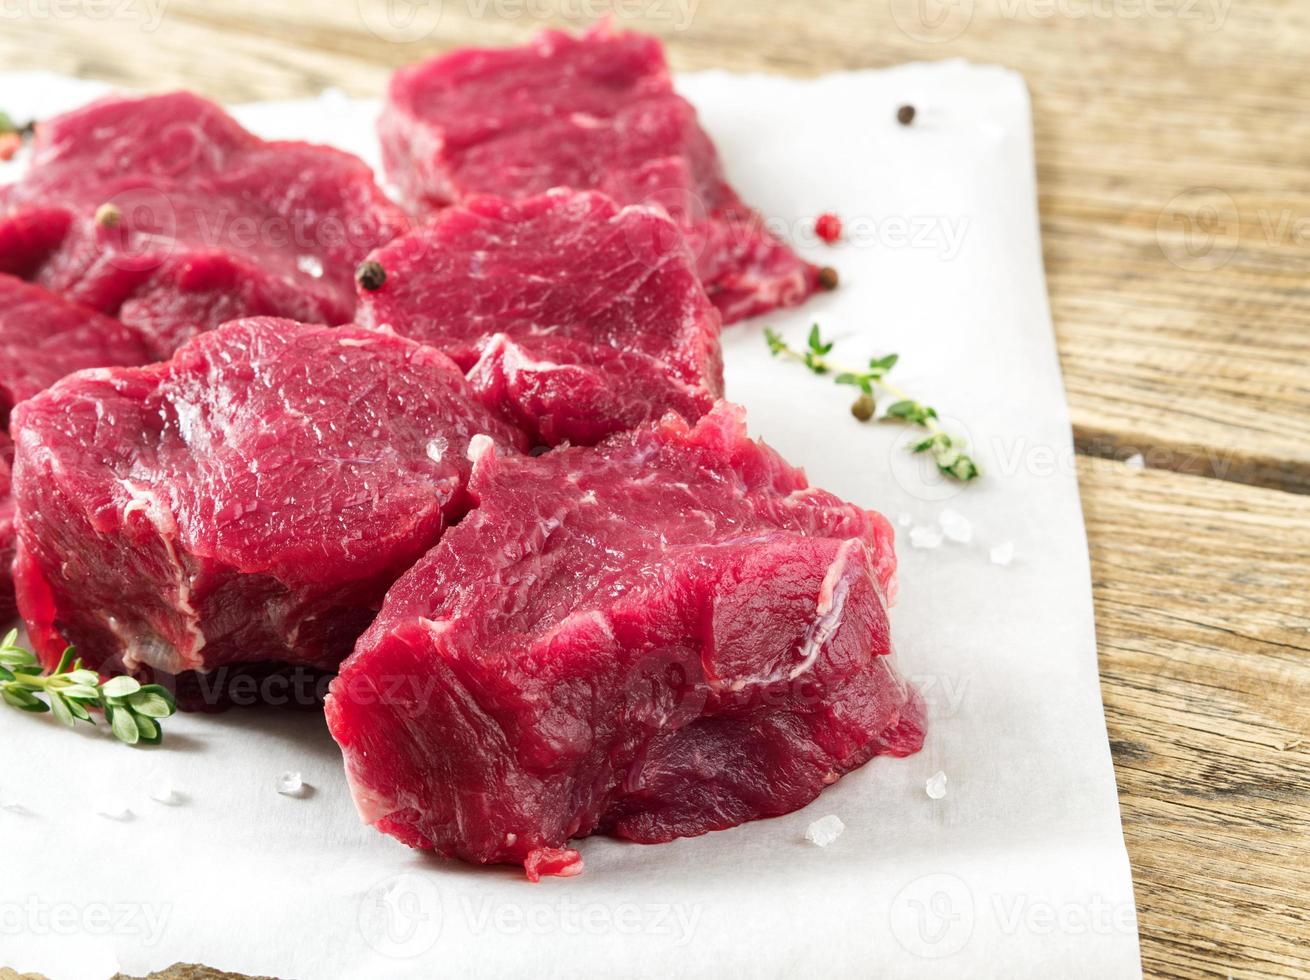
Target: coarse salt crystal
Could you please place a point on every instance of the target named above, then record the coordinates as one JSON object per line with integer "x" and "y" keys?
{"x": 1136, "y": 462}
{"x": 113, "y": 808}
{"x": 904, "y": 520}
{"x": 925, "y": 537}
{"x": 936, "y": 785}
{"x": 825, "y": 830}
{"x": 437, "y": 447}
{"x": 1003, "y": 553}
{"x": 290, "y": 784}
{"x": 956, "y": 526}
{"x": 310, "y": 265}
{"x": 162, "y": 792}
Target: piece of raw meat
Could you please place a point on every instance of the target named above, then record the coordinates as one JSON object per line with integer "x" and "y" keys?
{"x": 44, "y": 337}
{"x": 164, "y": 212}
{"x": 576, "y": 318}
{"x": 667, "y": 634}
{"x": 596, "y": 112}
{"x": 247, "y": 502}
{"x": 8, "y": 540}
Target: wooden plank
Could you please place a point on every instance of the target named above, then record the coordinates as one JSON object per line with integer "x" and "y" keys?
{"x": 1202, "y": 596}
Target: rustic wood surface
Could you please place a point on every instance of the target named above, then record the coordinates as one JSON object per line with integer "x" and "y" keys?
{"x": 1172, "y": 158}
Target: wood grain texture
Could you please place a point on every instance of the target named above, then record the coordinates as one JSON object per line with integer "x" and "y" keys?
{"x": 1203, "y": 624}
{"x": 1172, "y": 161}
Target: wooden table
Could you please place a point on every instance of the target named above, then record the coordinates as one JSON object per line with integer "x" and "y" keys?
{"x": 1173, "y": 146}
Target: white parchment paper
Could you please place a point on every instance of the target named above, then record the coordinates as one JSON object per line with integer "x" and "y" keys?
{"x": 1019, "y": 871}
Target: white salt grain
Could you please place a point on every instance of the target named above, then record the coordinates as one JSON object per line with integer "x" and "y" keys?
{"x": 1136, "y": 462}
{"x": 825, "y": 830}
{"x": 904, "y": 520}
{"x": 113, "y": 808}
{"x": 310, "y": 266}
{"x": 437, "y": 447}
{"x": 936, "y": 785}
{"x": 162, "y": 792}
{"x": 290, "y": 784}
{"x": 1003, "y": 553}
{"x": 956, "y": 526}
{"x": 925, "y": 537}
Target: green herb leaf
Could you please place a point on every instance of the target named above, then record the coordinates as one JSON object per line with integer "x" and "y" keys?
{"x": 124, "y": 725}
{"x": 861, "y": 381}
{"x": 148, "y": 729}
{"x": 132, "y": 710}
{"x": 150, "y": 705}
{"x": 61, "y": 709}
{"x": 816, "y": 343}
{"x": 120, "y": 687}
{"x": 17, "y": 696}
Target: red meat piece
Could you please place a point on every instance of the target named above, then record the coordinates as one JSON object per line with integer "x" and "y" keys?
{"x": 668, "y": 634}
{"x": 164, "y": 212}
{"x": 248, "y": 501}
{"x": 596, "y": 112}
{"x": 44, "y": 337}
{"x": 575, "y": 318}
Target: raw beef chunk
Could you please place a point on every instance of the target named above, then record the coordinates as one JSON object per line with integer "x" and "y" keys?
{"x": 44, "y": 337}
{"x": 596, "y": 112}
{"x": 249, "y": 501}
{"x": 576, "y": 318}
{"x": 7, "y": 537}
{"x": 164, "y": 212}
{"x": 668, "y": 634}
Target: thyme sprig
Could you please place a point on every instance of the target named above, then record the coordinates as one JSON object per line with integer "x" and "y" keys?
{"x": 71, "y": 692}
{"x": 947, "y": 451}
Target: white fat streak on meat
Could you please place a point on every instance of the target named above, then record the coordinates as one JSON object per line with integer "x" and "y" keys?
{"x": 371, "y": 804}
{"x": 512, "y": 358}
{"x": 479, "y": 446}
{"x": 828, "y": 610}
{"x": 153, "y": 651}
{"x": 830, "y": 606}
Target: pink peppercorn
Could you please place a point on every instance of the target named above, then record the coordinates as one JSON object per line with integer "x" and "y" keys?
{"x": 828, "y": 227}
